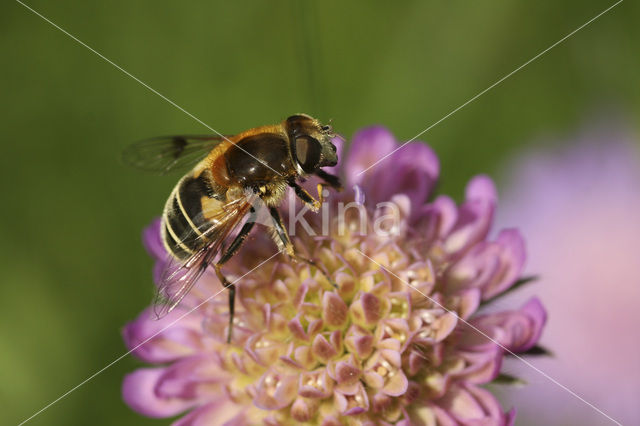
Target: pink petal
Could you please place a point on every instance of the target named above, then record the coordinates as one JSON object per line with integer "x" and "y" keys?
{"x": 474, "y": 216}
{"x": 275, "y": 391}
{"x": 469, "y": 301}
{"x": 536, "y": 312}
{"x": 139, "y": 393}
{"x": 463, "y": 405}
{"x": 488, "y": 402}
{"x": 303, "y": 410}
{"x": 515, "y": 330}
{"x": 163, "y": 340}
{"x": 436, "y": 220}
{"x": 416, "y": 362}
{"x": 263, "y": 350}
{"x": 191, "y": 377}
{"x": 444, "y": 325}
{"x": 482, "y": 367}
{"x": 440, "y": 417}
{"x": 472, "y": 405}
{"x": 334, "y": 310}
{"x": 295, "y": 326}
{"x": 359, "y": 341}
{"x": 315, "y": 384}
{"x": 417, "y": 169}
{"x": 322, "y": 349}
{"x": 152, "y": 240}
{"x": 304, "y": 356}
{"x": 373, "y": 379}
{"x": 481, "y": 187}
{"x": 222, "y": 412}
{"x": 352, "y": 404}
{"x": 397, "y": 384}
{"x": 512, "y": 257}
{"x": 347, "y": 373}
{"x": 331, "y": 421}
{"x": 367, "y": 146}
{"x": 367, "y": 310}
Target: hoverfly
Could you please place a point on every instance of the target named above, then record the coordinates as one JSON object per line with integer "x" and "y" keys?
{"x": 231, "y": 174}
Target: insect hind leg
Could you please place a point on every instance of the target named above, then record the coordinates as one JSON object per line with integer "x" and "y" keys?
{"x": 232, "y": 298}
{"x": 228, "y": 254}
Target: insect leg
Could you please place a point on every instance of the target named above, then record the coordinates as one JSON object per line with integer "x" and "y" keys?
{"x": 288, "y": 245}
{"x": 228, "y": 254}
{"x": 313, "y": 204}
{"x": 329, "y": 179}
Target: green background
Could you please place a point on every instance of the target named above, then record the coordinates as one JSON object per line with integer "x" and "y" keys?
{"x": 73, "y": 269}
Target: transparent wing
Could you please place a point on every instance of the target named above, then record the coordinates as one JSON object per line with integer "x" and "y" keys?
{"x": 169, "y": 153}
{"x": 179, "y": 276}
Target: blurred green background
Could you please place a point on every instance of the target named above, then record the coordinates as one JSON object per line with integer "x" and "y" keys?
{"x": 73, "y": 268}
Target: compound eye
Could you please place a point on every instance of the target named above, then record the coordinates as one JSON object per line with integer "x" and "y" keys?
{"x": 308, "y": 151}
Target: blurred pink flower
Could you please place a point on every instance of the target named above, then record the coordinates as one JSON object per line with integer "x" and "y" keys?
{"x": 373, "y": 351}
{"x": 578, "y": 208}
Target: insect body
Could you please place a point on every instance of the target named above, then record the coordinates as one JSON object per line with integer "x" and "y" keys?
{"x": 223, "y": 190}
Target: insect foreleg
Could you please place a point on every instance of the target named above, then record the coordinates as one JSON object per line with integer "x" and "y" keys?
{"x": 330, "y": 180}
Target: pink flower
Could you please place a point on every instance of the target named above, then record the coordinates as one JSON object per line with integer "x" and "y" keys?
{"x": 391, "y": 345}
{"x": 579, "y": 208}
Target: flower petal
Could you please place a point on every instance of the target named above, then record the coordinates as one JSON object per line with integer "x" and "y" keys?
{"x": 192, "y": 377}
{"x": 353, "y": 403}
{"x": 536, "y": 312}
{"x": 315, "y": 384}
{"x": 417, "y": 168}
{"x": 397, "y": 384}
{"x": 367, "y": 146}
{"x": 346, "y": 373}
{"x": 481, "y": 367}
{"x": 375, "y": 151}
{"x": 472, "y": 405}
{"x": 359, "y": 341}
{"x": 221, "y": 412}
{"x": 491, "y": 267}
{"x": 512, "y": 256}
{"x": 152, "y": 240}
{"x": 163, "y": 340}
{"x": 515, "y": 330}
{"x": 322, "y": 349}
{"x": 366, "y": 311}
{"x": 275, "y": 391}
{"x": 304, "y": 409}
{"x": 139, "y": 393}
{"x": 474, "y": 216}
{"x": 334, "y": 310}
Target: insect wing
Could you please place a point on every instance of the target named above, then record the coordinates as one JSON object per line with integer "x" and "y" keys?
{"x": 169, "y": 153}
{"x": 179, "y": 276}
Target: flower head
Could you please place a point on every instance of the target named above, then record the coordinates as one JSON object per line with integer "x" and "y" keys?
{"x": 397, "y": 342}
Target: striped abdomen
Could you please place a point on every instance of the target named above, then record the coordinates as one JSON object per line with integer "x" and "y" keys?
{"x": 183, "y": 222}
